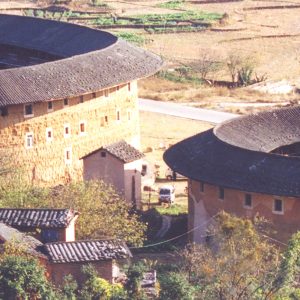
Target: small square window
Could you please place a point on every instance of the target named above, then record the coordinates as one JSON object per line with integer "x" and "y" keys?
{"x": 221, "y": 193}
{"x": 67, "y": 130}
{"x": 118, "y": 88}
{"x": 278, "y": 206}
{"x": 106, "y": 93}
{"x": 81, "y": 100}
{"x": 248, "y": 201}
{"x": 28, "y": 110}
{"x": 129, "y": 86}
{"x": 66, "y": 102}
{"x": 103, "y": 154}
{"x": 94, "y": 95}
{"x": 50, "y": 106}
{"x": 29, "y": 140}
{"x": 68, "y": 156}
{"x": 49, "y": 134}
{"x": 201, "y": 187}
{"x": 82, "y": 127}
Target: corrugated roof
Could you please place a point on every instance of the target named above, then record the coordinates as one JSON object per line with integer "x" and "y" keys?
{"x": 92, "y": 60}
{"x": 37, "y": 218}
{"x": 27, "y": 242}
{"x": 236, "y": 154}
{"x": 87, "y": 251}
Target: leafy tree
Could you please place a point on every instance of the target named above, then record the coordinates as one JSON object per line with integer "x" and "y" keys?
{"x": 23, "y": 278}
{"x": 103, "y": 213}
{"x": 237, "y": 264}
{"x": 69, "y": 288}
{"x": 175, "y": 286}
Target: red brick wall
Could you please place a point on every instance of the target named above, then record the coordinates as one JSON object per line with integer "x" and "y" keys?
{"x": 262, "y": 204}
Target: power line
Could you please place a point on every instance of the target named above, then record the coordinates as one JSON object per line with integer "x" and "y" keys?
{"x": 179, "y": 236}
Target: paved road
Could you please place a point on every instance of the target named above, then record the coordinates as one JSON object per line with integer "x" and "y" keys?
{"x": 182, "y": 111}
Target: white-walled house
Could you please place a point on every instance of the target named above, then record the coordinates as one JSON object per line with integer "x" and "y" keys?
{"x": 118, "y": 164}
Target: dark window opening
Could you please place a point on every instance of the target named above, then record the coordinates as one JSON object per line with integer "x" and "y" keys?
{"x": 28, "y": 109}
{"x": 103, "y": 154}
{"x": 278, "y": 205}
{"x": 221, "y": 193}
{"x": 248, "y": 200}
{"x": 66, "y": 101}
{"x": 50, "y": 105}
{"x": 81, "y": 99}
{"x": 201, "y": 187}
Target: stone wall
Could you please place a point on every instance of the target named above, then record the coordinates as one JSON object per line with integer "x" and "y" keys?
{"x": 45, "y": 162}
{"x": 285, "y": 223}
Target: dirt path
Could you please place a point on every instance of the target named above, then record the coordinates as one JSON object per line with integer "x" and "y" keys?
{"x": 165, "y": 226}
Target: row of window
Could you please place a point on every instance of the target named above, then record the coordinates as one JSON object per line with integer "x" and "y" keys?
{"x": 28, "y": 108}
{"x": 67, "y": 129}
{"x": 248, "y": 203}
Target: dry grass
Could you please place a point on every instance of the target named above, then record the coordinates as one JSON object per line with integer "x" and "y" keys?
{"x": 159, "y": 131}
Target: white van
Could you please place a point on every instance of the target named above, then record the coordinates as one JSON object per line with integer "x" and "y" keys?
{"x": 172, "y": 175}
{"x": 166, "y": 194}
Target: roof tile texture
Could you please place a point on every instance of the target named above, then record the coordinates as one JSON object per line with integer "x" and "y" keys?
{"x": 87, "y": 251}
{"x": 37, "y": 218}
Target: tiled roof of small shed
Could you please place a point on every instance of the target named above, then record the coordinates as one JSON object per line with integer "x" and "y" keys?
{"x": 91, "y": 60}
{"x": 28, "y": 243}
{"x": 87, "y": 251}
{"x": 122, "y": 151}
{"x": 37, "y": 218}
{"x": 235, "y": 155}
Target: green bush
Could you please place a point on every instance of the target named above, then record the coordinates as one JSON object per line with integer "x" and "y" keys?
{"x": 172, "y": 4}
{"x": 131, "y": 37}
{"x": 175, "y": 286}
{"x": 23, "y": 278}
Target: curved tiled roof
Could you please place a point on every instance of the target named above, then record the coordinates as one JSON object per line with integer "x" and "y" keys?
{"x": 235, "y": 154}
{"x": 91, "y": 60}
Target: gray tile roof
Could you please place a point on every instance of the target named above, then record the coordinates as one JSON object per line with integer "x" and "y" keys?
{"x": 92, "y": 60}
{"x": 236, "y": 154}
{"x": 26, "y": 242}
{"x": 37, "y": 218}
{"x": 122, "y": 151}
{"x": 87, "y": 251}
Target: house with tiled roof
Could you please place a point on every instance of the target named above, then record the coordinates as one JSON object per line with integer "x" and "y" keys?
{"x": 119, "y": 164}
{"x": 65, "y": 91}
{"x": 106, "y": 256}
{"x": 49, "y": 225}
{"x": 247, "y": 166}
{"x": 67, "y": 258}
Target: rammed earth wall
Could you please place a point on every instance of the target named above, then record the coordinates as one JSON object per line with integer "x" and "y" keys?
{"x": 285, "y": 223}
{"x": 45, "y": 162}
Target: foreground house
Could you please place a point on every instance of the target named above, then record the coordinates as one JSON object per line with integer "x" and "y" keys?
{"x": 48, "y": 225}
{"x": 118, "y": 164}
{"x": 69, "y": 258}
{"x": 65, "y": 91}
{"x": 246, "y": 166}
{"x": 64, "y": 258}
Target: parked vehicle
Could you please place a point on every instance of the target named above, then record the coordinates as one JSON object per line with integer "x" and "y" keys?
{"x": 172, "y": 175}
{"x": 166, "y": 194}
